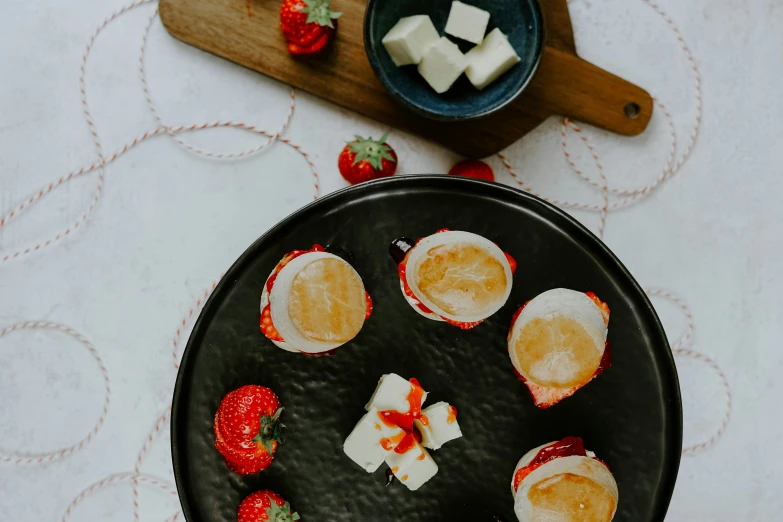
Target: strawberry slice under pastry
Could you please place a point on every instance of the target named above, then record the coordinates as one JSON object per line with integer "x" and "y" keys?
{"x": 313, "y": 302}
{"x": 248, "y": 429}
{"x": 561, "y": 481}
{"x": 457, "y": 277}
{"x": 558, "y": 343}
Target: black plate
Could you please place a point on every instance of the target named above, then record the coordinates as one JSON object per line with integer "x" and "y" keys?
{"x": 631, "y": 416}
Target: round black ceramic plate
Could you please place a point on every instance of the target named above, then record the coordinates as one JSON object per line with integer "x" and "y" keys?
{"x": 631, "y": 416}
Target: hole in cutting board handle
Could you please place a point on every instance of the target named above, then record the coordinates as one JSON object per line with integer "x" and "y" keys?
{"x": 631, "y": 110}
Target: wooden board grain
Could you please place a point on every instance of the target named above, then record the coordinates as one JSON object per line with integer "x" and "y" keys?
{"x": 247, "y": 32}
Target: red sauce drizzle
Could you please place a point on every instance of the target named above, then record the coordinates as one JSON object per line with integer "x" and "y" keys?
{"x": 389, "y": 443}
{"x": 407, "y": 289}
{"x": 567, "y": 447}
{"x": 404, "y": 421}
{"x": 451, "y": 418}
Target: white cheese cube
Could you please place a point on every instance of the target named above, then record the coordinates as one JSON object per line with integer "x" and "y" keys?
{"x": 413, "y": 468}
{"x": 407, "y": 41}
{"x": 371, "y": 441}
{"x": 392, "y": 393}
{"x": 467, "y": 22}
{"x": 438, "y": 425}
{"x": 442, "y": 64}
{"x": 486, "y": 62}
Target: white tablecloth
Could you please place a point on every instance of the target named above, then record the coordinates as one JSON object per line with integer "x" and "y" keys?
{"x": 168, "y": 222}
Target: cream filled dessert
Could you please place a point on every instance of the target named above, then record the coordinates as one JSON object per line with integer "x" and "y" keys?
{"x": 458, "y": 277}
{"x": 557, "y": 343}
{"x": 313, "y": 302}
{"x": 563, "y": 482}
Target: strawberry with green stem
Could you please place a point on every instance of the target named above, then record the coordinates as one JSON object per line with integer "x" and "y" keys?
{"x": 248, "y": 428}
{"x": 364, "y": 159}
{"x": 308, "y": 25}
{"x": 266, "y": 505}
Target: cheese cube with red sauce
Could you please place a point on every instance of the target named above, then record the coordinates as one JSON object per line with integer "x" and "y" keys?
{"x": 371, "y": 441}
{"x": 392, "y": 394}
{"x": 438, "y": 425}
{"x": 414, "y": 467}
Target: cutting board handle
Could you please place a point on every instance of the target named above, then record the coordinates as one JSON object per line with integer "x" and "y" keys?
{"x": 584, "y": 92}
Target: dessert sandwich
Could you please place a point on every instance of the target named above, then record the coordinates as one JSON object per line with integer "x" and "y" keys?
{"x": 313, "y": 302}
{"x": 563, "y": 482}
{"x": 558, "y": 343}
{"x": 457, "y": 277}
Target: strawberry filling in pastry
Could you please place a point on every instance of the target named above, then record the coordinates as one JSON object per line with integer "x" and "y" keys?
{"x": 406, "y": 289}
{"x": 266, "y": 323}
{"x": 545, "y": 396}
{"x": 569, "y": 446}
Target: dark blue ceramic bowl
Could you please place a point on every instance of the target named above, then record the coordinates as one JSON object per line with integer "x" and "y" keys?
{"x": 520, "y": 20}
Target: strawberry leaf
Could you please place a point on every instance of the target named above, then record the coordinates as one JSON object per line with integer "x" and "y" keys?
{"x": 318, "y": 12}
{"x": 282, "y": 513}
{"x": 271, "y": 431}
{"x": 371, "y": 151}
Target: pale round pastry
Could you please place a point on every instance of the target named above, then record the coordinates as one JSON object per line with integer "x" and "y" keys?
{"x": 317, "y": 303}
{"x": 567, "y": 489}
{"x": 460, "y": 276}
{"x": 559, "y": 339}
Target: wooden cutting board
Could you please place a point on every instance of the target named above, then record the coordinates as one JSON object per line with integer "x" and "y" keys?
{"x": 247, "y": 32}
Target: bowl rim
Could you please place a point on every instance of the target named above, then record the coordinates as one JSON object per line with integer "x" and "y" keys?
{"x": 418, "y": 109}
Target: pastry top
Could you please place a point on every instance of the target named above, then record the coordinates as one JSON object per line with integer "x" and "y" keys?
{"x": 459, "y": 275}
{"x": 558, "y": 339}
{"x": 327, "y": 301}
{"x": 567, "y": 489}
{"x": 318, "y": 302}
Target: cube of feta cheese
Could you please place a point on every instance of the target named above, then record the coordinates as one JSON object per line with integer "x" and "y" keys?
{"x": 442, "y": 64}
{"x": 392, "y": 394}
{"x": 467, "y": 22}
{"x": 407, "y": 41}
{"x": 371, "y": 441}
{"x": 438, "y": 425}
{"x": 486, "y": 62}
{"x": 413, "y": 468}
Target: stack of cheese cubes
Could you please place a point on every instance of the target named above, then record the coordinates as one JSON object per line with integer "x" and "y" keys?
{"x": 414, "y": 40}
{"x": 373, "y": 441}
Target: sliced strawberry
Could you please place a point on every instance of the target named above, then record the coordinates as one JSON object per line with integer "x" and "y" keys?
{"x": 268, "y": 327}
{"x": 369, "y": 306}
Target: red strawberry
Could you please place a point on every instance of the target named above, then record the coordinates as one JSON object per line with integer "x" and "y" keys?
{"x": 247, "y": 428}
{"x": 364, "y": 159}
{"x": 308, "y": 25}
{"x": 266, "y": 505}
{"x": 473, "y": 169}
{"x": 299, "y": 50}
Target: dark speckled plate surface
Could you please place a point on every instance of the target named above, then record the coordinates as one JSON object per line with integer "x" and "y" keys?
{"x": 520, "y": 20}
{"x": 630, "y": 416}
